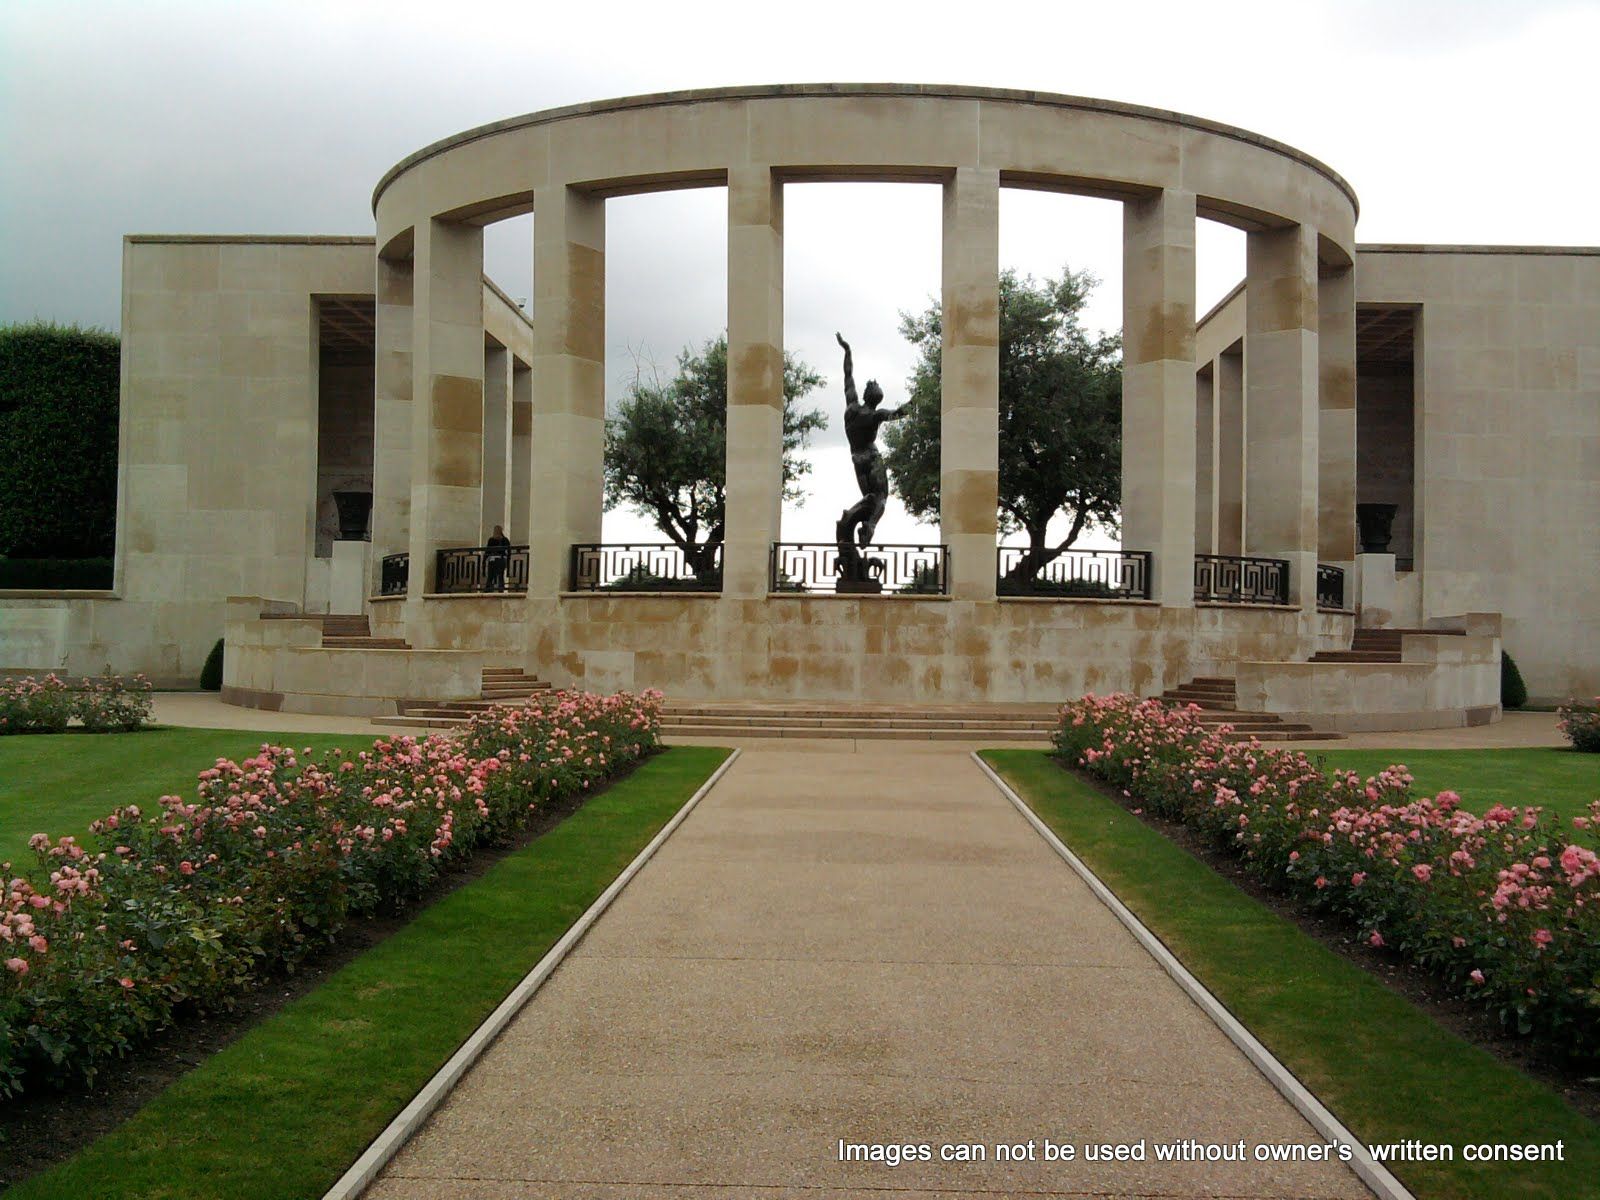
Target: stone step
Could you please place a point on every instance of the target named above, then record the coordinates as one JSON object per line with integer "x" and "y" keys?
{"x": 1221, "y": 679}
{"x": 1289, "y": 734}
{"x": 863, "y": 732}
{"x": 407, "y": 721}
{"x": 364, "y": 643}
{"x": 855, "y": 722}
{"x": 1357, "y": 656}
{"x": 1043, "y": 720}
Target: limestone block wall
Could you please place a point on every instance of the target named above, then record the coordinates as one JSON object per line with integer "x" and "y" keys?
{"x": 1507, "y": 444}
{"x": 916, "y": 650}
{"x": 496, "y": 625}
{"x": 33, "y": 634}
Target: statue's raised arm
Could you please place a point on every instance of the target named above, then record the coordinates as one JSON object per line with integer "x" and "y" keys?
{"x": 850, "y": 397}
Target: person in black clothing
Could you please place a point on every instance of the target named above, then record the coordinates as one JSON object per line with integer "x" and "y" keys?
{"x": 496, "y": 560}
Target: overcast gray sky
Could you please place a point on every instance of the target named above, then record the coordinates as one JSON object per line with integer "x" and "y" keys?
{"x": 1455, "y": 122}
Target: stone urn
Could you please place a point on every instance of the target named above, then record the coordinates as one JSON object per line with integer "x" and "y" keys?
{"x": 354, "y": 509}
{"x": 1375, "y": 522}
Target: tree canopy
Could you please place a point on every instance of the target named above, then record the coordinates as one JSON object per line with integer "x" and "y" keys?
{"x": 666, "y": 448}
{"x": 1060, "y": 416}
{"x": 58, "y": 424}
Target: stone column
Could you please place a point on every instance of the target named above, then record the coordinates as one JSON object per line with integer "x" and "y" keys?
{"x": 1205, "y": 459}
{"x": 755, "y": 379}
{"x": 569, "y": 388}
{"x": 521, "y": 452}
{"x": 1281, "y": 419}
{"x": 391, "y": 433}
{"x": 969, "y": 381}
{"x": 496, "y": 438}
{"x": 1336, "y": 433}
{"x": 1158, "y": 389}
{"x": 1230, "y": 451}
{"x": 447, "y": 382}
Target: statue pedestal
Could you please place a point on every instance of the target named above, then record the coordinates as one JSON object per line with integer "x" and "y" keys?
{"x": 859, "y": 587}
{"x": 347, "y": 591}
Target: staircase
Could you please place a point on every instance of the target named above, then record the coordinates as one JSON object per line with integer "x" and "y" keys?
{"x": 1374, "y": 646}
{"x": 821, "y": 719}
{"x": 353, "y": 633}
{"x": 501, "y": 685}
{"x": 1216, "y": 697}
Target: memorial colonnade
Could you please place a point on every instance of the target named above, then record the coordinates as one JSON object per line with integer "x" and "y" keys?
{"x": 1275, "y": 451}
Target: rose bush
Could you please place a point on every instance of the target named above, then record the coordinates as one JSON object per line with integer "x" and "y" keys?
{"x": 48, "y": 703}
{"x": 1581, "y": 724}
{"x": 1504, "y": 906}
{"x": 182, "y": 907}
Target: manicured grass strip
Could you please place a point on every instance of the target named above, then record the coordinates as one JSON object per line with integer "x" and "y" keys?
{"x": 1383, "y": 1066}
{"x": 1562, "y": 780}
{"x": 283, "y": 1111}
{"x": 57, "y": 783}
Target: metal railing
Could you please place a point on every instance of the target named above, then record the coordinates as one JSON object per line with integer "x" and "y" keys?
{"x": 394, "y": 572}
{"x": 897, "y": 569}
{"x": 481, "y": 569}
{"x": 1330, "y": 586}
{"x": 1108, "y": 574}
{"x": 1241, "y": 580}
{"x": 644, "y": 567}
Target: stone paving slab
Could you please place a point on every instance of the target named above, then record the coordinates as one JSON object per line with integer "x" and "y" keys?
{"x": 869, "y": 949}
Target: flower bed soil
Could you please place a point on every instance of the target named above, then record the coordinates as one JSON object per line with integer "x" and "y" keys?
{"x": 1423, "y": 989}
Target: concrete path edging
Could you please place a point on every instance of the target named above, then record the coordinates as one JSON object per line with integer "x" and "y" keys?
{"x": 1371, "y": 1172}
{"x": 411, "y": 1118}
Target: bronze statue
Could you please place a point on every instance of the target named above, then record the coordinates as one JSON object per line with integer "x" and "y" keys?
{"x": 862, "y": 419}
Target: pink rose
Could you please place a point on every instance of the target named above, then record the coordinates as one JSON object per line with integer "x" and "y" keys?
{"x": 1476, "y": 976}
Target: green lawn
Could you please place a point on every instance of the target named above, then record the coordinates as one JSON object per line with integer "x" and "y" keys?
{"x": 58, "y": 783}
{"x": 1382, "y": 1065}
{"x": 1562, "y": 780}
{"x": 281, "y": 1113}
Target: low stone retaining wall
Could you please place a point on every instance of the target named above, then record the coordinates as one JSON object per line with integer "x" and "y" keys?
{"x": 1443, "y": 681}
{"x": 280, "y": 664}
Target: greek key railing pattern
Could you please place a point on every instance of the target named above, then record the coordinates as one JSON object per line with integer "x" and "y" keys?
{"x": 1330, "y": 586}
{"x": 896, "y": 568}
{"x": 481, "y": 569}
{"x": 1241, "y": 580}
{"x": 394, "y": 572}
{"x": 643, "y": 567}
{"x": 1112, "y": 574}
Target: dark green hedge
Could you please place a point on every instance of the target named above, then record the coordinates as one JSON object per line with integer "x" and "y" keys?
{"x": 58, "y": 425}
{"x": 82, "y": 573}
{"x": 1513, "y": 692}
{"x": 211, "y": 672}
